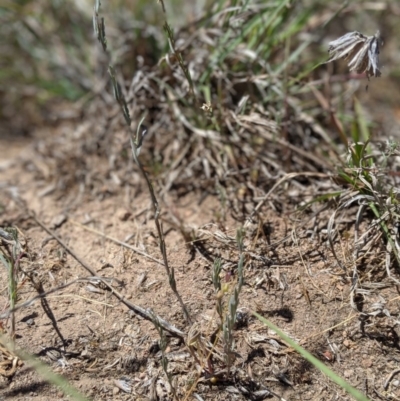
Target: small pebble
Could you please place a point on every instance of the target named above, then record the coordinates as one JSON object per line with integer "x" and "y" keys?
{"x": 58, "y": 221}
{"x": 366, "y": 363}
{"x": 123, "y": 214}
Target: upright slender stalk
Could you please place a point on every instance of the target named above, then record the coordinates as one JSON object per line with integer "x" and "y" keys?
{"x": 136, "y": 147}
{"x": 230, "y": 318}
{"x": 136, "y": 144}
{"x": 10, "y": 255}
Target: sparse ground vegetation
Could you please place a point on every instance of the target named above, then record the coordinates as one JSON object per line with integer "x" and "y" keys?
{"x": 181, "y": 174}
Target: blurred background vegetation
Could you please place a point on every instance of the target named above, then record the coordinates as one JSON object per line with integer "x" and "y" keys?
{"x": 50, "y": 55}
{"x": 50, "y": 58}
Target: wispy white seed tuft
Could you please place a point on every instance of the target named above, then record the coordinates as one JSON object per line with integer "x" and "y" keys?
{"x": 361, "y": 52}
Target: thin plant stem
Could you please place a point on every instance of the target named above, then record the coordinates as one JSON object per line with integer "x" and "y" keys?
{"x": 230, "y": 319}
{"x": 176, "y": 52}
{"x": 10, "y": 256}
{"x": 136, "y": 143}
{"x": 135, "y": 146}
{"x": 164, "y": 359}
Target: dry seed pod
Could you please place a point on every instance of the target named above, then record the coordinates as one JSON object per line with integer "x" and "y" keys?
{"x": 361, "y": 52}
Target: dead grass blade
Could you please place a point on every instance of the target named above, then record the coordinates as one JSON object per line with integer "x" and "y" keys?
{"x": 117, "y": 241}
{"x": 280, "y": 181}
{"x": 137, "y": 309}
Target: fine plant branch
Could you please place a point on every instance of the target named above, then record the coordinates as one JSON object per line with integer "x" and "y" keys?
{"x": 136, "y": 147}
{"x": 41, "y": 295}
{"x": 164, "y": 360}
{"x": 10, "y": 255}
{"x": 119, "y": 96}
{"x": 217, "y": 286}
{"x": 266, "y": 197}
{"x": 116, "y": 240}
{"x": 179, "y": 57}
{"x": 98, "y": 26}
{"x": 230, "y": 318}
{"x": 135, "y": 308}
{"x": 176, "y": 53}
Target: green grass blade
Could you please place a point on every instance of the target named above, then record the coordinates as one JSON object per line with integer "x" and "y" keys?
{"x": 43, "y": 370}
{"x": 357, "y": 395}
{"x": 362, "y": 124}
{"x": 320, "y": 199}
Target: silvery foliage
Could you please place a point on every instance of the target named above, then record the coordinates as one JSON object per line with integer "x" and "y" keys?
{"x": 361, "y": 52}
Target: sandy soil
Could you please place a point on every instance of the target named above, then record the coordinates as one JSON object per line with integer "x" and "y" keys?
{"x": 87, "y": 335}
